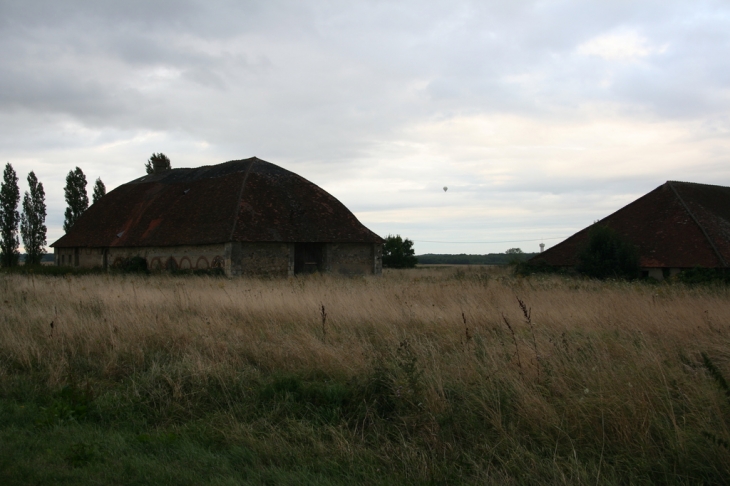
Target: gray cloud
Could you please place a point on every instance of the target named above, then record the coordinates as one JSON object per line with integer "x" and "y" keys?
{"x": 329, "y": 89}
{"x": 327, "y": 57}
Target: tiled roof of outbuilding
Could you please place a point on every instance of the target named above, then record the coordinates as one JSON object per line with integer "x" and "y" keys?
{"x": 678, "y": 224}
{"x": 243, "y": 200}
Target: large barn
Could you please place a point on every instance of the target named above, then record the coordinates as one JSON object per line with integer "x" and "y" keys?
{"x": 678, "y": 225}
{"x": 244, "y": 216}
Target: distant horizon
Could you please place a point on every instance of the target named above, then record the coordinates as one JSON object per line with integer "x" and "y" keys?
{"x": 456, "y": 254}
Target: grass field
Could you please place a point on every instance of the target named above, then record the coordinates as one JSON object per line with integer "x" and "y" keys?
{"x": 426, "y": 376}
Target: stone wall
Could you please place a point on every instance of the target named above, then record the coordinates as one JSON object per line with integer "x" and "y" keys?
{"x": 274, "y": 259}
{"x": 660, "y": 273}
{"x": 236, "y": 259}
{"x": 79, "y": 257}
{"x": 66, "y": 257}
{"x": 354, "y": 258}
{"x": 277, "y": 259}
{"x": 199, "y": 257}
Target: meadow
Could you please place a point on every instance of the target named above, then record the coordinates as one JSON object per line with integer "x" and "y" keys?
{"x": 428, "y": 376}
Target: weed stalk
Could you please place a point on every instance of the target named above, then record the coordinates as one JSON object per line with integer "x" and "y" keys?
{"x": 324, "y": 324}
{"x": 514, "y": 340}
{"x": 527, "y": 313}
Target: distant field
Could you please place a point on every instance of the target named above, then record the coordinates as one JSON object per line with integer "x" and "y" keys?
{"x": 437, "y": 265}
{"x": 423, "y": 376}
{"x": 464, "y": 259}
{"x": 48, "y": 259}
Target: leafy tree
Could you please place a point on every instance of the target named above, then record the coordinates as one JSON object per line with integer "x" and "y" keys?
{"x": 32, "y": 221}
{"x": 76, "y": 197}
{"x": 515, "y": 256}
{"x": 9, "y": 217}
{"x": 398, "y": 252}
{"x": 160, "y": 159}
{"x": 606, "y": 254}
{"x": 99, "y": 191}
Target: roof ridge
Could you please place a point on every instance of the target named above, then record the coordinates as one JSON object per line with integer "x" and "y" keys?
{"x": 172, "y": 176}
{"x": 696, "y": 184}
{"x": 240, "y": 196}
{"x": 697, "y": 222}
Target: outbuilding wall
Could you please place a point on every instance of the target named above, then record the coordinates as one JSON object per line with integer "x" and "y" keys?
{"x": 354, "y": 258}
{"x": 660, "y": 273}
{"x": 277, "y": 259}
{"x": 198, "y": 257}
{"x": 271, "y": 259}
{"x": 236, "y": 259}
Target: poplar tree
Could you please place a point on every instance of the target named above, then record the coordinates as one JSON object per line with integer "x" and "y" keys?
{"x": 32, "y": 221}
{"x": 99, "y": 191}
{"x": 9, "y": 198}
{"x": 76, "y": 198}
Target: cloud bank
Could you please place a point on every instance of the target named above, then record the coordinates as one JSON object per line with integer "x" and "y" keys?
{"x": 539, "y": 116}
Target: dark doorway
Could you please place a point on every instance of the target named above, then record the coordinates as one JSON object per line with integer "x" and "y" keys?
{"x": 308, "y": 257}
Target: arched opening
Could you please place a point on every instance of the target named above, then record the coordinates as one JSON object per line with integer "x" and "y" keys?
{"x": 217, "y": 262}
{"x": 156, "y": 264}
{"x": 202, "y": 263}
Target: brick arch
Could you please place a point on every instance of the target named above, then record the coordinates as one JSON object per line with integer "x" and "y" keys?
{"x": 156, "y": 264}
{"x": 202, "y": 263}
{"x": 118, "y": 262}
{"x": 217, "y": 262}
{"x": 185, "y": 263}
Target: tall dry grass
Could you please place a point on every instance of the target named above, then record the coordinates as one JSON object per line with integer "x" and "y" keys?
{"x": 581, "y": 383}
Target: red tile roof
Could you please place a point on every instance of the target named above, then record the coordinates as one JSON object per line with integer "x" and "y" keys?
{"x": 243, "y": 200}
{"x": 678, "y": 224}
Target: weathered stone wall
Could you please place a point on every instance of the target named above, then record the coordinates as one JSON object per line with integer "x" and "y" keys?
{"x": 660, "y": 273}
{"x": 89, "y": 257}
{"x": 354, "y": 258}
{"x": 277, "y": 259}
{"x": 236, "y": 259}
{"x": 198, "y": 257}
{"x": 274, "y": 259}
{"x": 378, "y": 259}
{"x": 79, "y": 257}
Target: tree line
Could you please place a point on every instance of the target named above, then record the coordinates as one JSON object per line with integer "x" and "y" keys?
{"x": 30, "y": 223}
{"x": 510, "y": 257}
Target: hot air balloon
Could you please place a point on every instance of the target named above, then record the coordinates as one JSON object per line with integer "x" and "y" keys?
{"x": 446, "y": 188}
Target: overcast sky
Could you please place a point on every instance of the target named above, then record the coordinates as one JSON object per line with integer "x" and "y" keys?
{"x": 539, "y": 116}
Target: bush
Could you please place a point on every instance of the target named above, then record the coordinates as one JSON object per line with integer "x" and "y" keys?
{"x": 52, "y": 270}
{"x": 135, "y": 264}
{"x": 700, "y": 275}
{"x": 398, "y": 252}
{"x": 607, "y": 254}
{"x": 525, "y": 269}
{"x": 515, "y": 256}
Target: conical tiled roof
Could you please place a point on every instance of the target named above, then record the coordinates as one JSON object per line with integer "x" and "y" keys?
{"x": 677, "y": 225}
{"x": 243, "y": 200}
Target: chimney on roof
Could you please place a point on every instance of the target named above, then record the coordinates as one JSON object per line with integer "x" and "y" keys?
{"x": 158, "y": 163}
{"x": 159, "y": 166}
